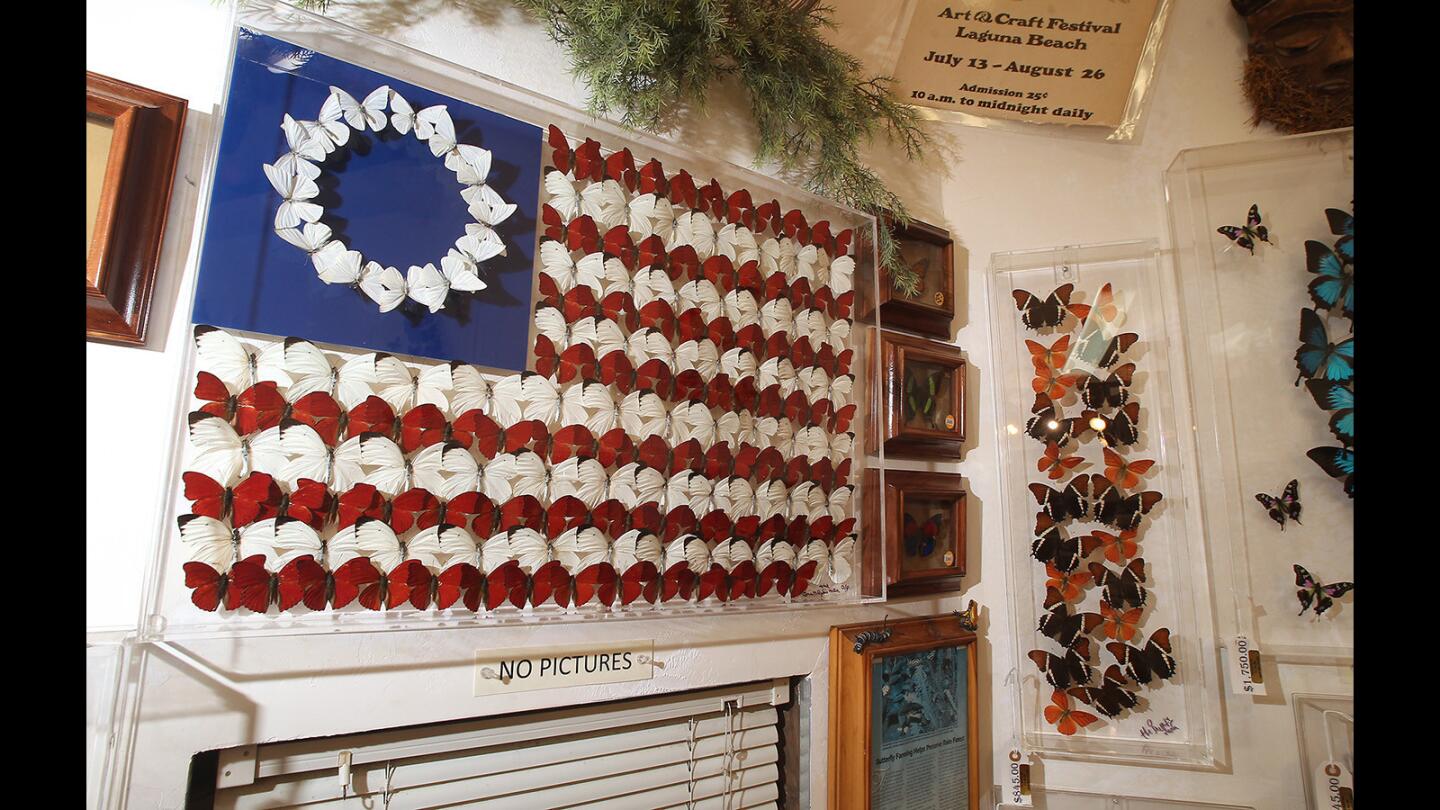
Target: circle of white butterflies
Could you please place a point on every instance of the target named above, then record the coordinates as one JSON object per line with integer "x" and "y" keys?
{"x": 294, "y": 452}
{"x": 298, "y": 219}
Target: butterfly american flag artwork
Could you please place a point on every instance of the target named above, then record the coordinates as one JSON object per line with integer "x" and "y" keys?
{"x": 685, "y": 434}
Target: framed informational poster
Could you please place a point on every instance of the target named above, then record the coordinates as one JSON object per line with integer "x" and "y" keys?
{"x": 1081, "y": 63}
{"x": 903, "y": 715}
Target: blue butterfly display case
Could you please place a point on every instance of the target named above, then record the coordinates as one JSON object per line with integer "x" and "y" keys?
{"x": 1254, "y": 423}
{"x": 1064, "y": 395}
{"x": 249, "y": 248}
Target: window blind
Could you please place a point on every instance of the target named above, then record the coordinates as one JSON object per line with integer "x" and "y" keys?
{"x": 714, "y": 748}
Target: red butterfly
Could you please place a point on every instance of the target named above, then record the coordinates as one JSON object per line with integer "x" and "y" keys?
{"x": 255, "y": 498}
{"x": 616, "y": 449}
{"x": 740, "y": 208}
{"x": 584, "y": 160}
{"x": 640, "y": 580}
{"x": 418, "y": 508}
{"x": 767, "y": 215}
{"x": 712, "y": 198}
{"x": 682, "y": 190}
{"x": 302, "y": 582}
{"x": 361, "y": 500}
{"x": 246, "y": 584}
{"x": 794, "y": 226}
{"x": 652, "y": 179}
{"x": 506, "y": 583}
{"x": 1066, "y": 720}
{"x": 1055, "y": 465}
{"x": 678, "y": 521}
{"x": 460, "y": 583}
{"x": 620, "y": 167}
{"x": 522, "y": 511}
{"x": 256, "y": 408}
{"x": 683, "y": 264}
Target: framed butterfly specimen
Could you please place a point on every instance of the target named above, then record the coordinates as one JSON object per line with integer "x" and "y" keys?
{"x": 918, "y": 409}
{"x": 930, "y": 252}
{"x": 1284, "y": 507}
{"x": 1312, "y": 591}
{"x": 920, "y": 685}
{"x": 1248, "y": 234}
{"x": 924, "y": 541}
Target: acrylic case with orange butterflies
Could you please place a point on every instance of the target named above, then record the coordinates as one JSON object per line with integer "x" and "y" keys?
{"x": 168, "y": 611}
{"x": 1176, "y": 720}
{"x": 1253, "y": 424}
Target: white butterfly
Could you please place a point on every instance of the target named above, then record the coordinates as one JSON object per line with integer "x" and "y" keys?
{"x": 703, "y": 295}
{"x": 313, "y": 237}
{"x": 776, "y": 316}
{"x": 383, "y": 285}
{"x": 457, "y": 546}
{"x": 226, "y": 457}
{"x": 634, "y": 484}
{"x": 692, "y": 420}
{"x": 310, "y": 457}
{"x": 840, "y": 501}
{"x": 528, "y": 475}
{"x": 500, "y": 399}
{"x": 675, "y": 553}
{"x": 471, "y": 165}
{"x": 431, "y": 287}
{"x": 778, "y": 257}
{"x": 534, "y": 550}
{"x": 365, "y": 374}
{"x": 209, "y": 541}
{"x": 373, "y": 538}
{"x": 813, "y": 443}
{"x": 589, "y": 404}
{"x": 402, "y": 115}
{"x": 302, "y": 144}
{"x": 835, "y": 565}
{"x": 335, "y": 264}
{"x": 646, "y": 285}
{"x": 809, "y": 261}
{"x": 813, "y": 382}
{"x": 839, "y": 335}
{"x": 431, "y": 118}
{"x": 389, "y": 472}
{"x": 777, "y": 371}
{"x": 841, "y": 446}
{"x": 807, "y": 500}
{"x": 583, "y": 478}
{"x": 774, "y": 550}
{"x": 465, "y": 473}
{"x": 542, "y": 398}
{"x": 280, "y": 540}
{"x": 840, "y": 390}
{"x": 695, "y": 229}
{"x": 295, "y": 190}
{"x": 736, "y": 243}
{"x": 649, "y": 344}
{"x": 738, "y": 363}
{"x": 551, "y": 323}
{"x": 734, "y": 427}
{"x": 634, "y": 547}
{"x": 688, "y": 488}
{"x": 219, "y": 353}
{"x": 434, "y": 126}
{"x": 741, "y": 308}
{"x": 608, "y": 196}
{"x": 468, "y": 389}
{"x": 650, "y": 215}
{"x": 842, "y": 275}
{"x": 370, "y": 112}
{"x": 730, "y": 553}
{"x": 486, "y": 205}
{"x": 697, "y": 554}
{"x": 735, "y": 497}
{"x": 556, "y": 262}
{"x": 772, "y": 498}
{"x": 331, "y": 129}
{"x": 592, "y": 547}
{"x": 571, "y": 201}
{"x": 643, "y": 414}
{"x": 700, "y": 355}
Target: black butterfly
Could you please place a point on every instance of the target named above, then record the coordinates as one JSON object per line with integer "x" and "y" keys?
{"x": 1064, "y": 627}
{"x": 1121, "y": 511}
{"x": 1285, "y": 506}
{"x": 1071, "y": 669}
{"x": 1245, "y": 235}
{"x": 1110, "y": 355}
{"x": 1061, "y": 505}
{"x": 1121, "y": 429}
{"x": 1038, "y": 314}
{"x": 1111, "y": 392}
{"x": 1313, "y": 591}
{"x": 1337, "y": 462}
{"x": 1052, "y": 546}
{"x": 1110, "y": 697}
{"x": 1147, "y": 663}
{"x": 1047, "y": 425}
{"x": 1123, "y": 589}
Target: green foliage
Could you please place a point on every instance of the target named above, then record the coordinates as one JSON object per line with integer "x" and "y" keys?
{"x": 813, "y": 108}
{"x": 645, "y": 60}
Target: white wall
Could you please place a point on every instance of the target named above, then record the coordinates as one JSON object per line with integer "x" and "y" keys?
{"x": 1004, "y": 192}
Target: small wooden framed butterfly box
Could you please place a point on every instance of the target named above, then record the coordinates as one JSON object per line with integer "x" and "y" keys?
{"x": 903, "y": 716}
{"x": 930, "y": 252}
{"x": 924, "y": 532}
{"x": 918, "y": 407}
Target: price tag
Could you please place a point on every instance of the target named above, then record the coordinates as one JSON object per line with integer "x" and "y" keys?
{"x": 1246, "y": 676}
{"x": 1334, "y": 787}
{"x": 1017, "y": 780}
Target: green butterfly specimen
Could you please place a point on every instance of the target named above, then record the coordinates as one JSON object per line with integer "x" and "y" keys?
{"x": 920, "y": 397}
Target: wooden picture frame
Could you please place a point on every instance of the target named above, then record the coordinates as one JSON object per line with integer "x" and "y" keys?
{"x": 920, "y": 495}
{"x": 134, "y": 198}
{"x": 853, "y": 714}
{"x": 933, "y": 310}
{"x": 905, "y": 360}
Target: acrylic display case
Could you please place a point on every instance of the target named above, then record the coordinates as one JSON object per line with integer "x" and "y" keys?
{"x": 1253, "y": 424}
{"x": 169, "y": 612}
{"x": 106, "y": 657}
{"x": 1325, "y": 732}
{"x": 1048, "y": 799}
{"x": 1175, "y": 720}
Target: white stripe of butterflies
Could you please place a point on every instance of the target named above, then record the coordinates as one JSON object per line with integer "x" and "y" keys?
{"x": 298, "y": 219}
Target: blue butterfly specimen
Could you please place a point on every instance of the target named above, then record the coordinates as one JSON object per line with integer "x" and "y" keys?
{"x": 1318, "y": 358}
{"x": 1334, "y": 281}
{"x": 1333, "y": 396}
{"x": 1343, "y": 226}
{"x": 1337, "y": 462}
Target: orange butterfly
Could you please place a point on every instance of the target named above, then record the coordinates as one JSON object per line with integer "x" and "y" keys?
{"x": 1050, "y": 382}
{"x": 1118, "y": 549}
{"x": 1054, "y": 463}
{"x": 1104, "y": 306}
{"x": 1066, "y": 720}
{"x": 1125, "y": 474}
{"x": 1119, "y": 624}
{"x": 1054, "y": 356}
{"x": 1067, "y": 585}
